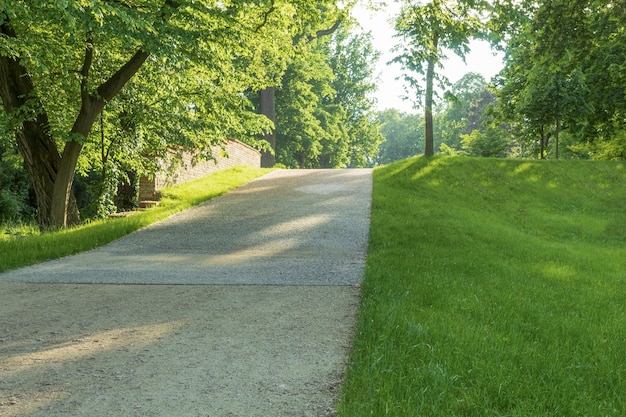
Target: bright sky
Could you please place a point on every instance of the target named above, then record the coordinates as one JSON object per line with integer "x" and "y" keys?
{"x": 390, "y": 90}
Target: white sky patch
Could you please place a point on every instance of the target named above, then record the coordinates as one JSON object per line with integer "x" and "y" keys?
{"x": 391, "y": 87}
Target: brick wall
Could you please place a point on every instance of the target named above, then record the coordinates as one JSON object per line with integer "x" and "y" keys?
{"x": 234, "y": 153}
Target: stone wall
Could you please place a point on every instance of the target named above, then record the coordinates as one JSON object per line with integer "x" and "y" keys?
{"x": 234, "y": 153}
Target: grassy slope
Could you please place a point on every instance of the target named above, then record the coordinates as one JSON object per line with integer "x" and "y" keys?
{"x": 19, "y": 250}
{"x": 493, "y": 288}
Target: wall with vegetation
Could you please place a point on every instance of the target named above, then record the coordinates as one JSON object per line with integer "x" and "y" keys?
{"x": 184, "y": 165}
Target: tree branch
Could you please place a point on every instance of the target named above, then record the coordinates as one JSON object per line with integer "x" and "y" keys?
{"x": 329, "y": 31}
{"x": 114, "y": 85}
{"x": 92, "y": 105}
{"x": 84, "y": 71}
{"x": 266, "y": 15}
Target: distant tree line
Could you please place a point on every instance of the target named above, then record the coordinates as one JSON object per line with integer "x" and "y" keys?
{"x": 562, "y": 91}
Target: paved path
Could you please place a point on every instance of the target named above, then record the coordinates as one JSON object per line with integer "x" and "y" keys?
{"x": 262, "y": 326}
{"x": 304, "y": 227}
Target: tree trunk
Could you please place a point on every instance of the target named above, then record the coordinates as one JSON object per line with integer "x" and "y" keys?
{"x": 268, "y": 109}
{"x": 545, "y": 140}
{"x": 36, "y": 145}
{"x": 542, "y": 148}
{"x": 52, "y": 174}
{"x": 428, "y": 109}
{"x": 556, "y": 137}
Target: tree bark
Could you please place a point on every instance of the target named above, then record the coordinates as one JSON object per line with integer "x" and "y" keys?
{"x": 428, "y": 109}
{"x": 268, "y": 109}
{"x": 556, "y": 137}
{"x": 51, "y": 173}
{"x": 34, "y": 142}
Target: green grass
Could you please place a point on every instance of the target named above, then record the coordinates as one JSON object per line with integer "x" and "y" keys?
{"x": 493, "y": 288}
{"x": 24, "y": 245}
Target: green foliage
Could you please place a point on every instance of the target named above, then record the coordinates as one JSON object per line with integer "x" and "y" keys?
{"x": 427, "y": 31}
{"x": 492, "y": 288}
{"x": 491, "y": 142}
{"x": 562, "y": 72}
{"x": 24, "y": 246}
{"x": 404, "y": 136}
{"x": 14, "y": 187}
{"x": 464, "y": 124}
{"x": 352, "y": 60}
{"x": 467, "y": 106}
{"x": 165, "y": 73}
{"x": 324, "y": 116}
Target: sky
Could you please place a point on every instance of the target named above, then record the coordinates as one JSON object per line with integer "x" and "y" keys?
{"x": 481, "y": 59}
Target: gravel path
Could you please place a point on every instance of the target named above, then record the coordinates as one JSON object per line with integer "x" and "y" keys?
{"x": 261, "y": 327}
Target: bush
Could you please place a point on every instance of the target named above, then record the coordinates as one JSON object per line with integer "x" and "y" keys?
{"x": 16, "y": 202}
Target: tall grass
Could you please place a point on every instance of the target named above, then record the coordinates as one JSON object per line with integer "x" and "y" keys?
{"x": 25, "y": 245}
{"x": 493, "y": 288}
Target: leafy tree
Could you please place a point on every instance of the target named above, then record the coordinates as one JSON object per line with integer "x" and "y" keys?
{"x": 314, "y": 27}
{"x": 489, "y": 142}
{"x": 467, "y": 102}
{"x": 298, "y": 130}
{"x": 402, "y": 136}
{"x": 563, "y": 72}
{"x": 62, "y": 62}
{"x": 352, "y": 58}
{"x": 323, "y": 113}
{"x": 605, "y": 74}
{"x": 550, "y": 100}
{"x": 428, "y": 30}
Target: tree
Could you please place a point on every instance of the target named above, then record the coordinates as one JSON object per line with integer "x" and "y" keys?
{"x": 563, "y": 72}
{"x": 352, "y": 58}
{"x": 318, "y": 13}
{"x": 402, "y": 139}
{"x": 62, "y": 62}
{"x": 465, "y": 109}
{"x": 428, "y": 30}
{"x": 604, "y": 70}
{"x": 550, "y": 100}
{"x": 298, "y": 129}
{"x": 323, "y": 113}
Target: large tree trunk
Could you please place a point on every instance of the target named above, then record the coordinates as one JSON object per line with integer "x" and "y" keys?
{"x": 36, "y": 145}
{"x": 49, "y": 172}
{"x": 42, "y": 161}
{"x": 52, "y": 174}
{"x": 268, "y": 109}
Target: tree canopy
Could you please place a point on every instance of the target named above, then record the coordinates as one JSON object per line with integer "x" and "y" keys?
{"x": 428, "y": 30}
{"x": 564, "y": 74}
{"x": 561, "y": 91}
{"x": 324, "y": 112}
{"x": 173, "y": 71}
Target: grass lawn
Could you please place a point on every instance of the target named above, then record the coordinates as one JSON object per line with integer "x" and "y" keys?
{"x": 493, "y": 288}
{"x": 25, "y": 245}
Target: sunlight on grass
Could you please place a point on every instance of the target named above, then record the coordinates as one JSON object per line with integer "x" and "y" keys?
{"x": 23, "y": 245}
{"x": 558, "y": 271}
{"x": 493, "y": 288}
